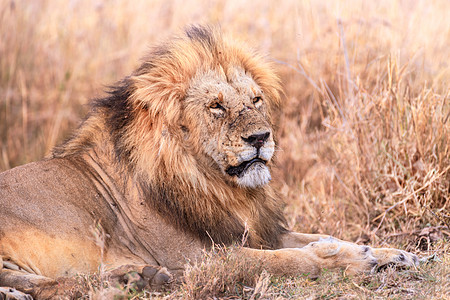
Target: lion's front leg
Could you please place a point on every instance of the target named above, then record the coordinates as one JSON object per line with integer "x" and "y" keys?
{"x": 383, "y": 256}
{"x": 316, "y": 256}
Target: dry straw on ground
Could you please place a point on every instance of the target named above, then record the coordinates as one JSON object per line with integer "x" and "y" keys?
{"x": 363, "y": 133}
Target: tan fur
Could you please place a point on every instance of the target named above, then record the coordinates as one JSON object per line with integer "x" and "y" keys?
{"x": 177, "y": 157}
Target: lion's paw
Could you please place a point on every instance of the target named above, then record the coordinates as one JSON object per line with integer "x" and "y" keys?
{"x": 389, "y": 256}
{"x": 156, "y": 276}
{"x": 140, "y": 277}
{"x": 357, "y": 259}
{"x": 338, "y": 254}
{"x": 13, "y": 294}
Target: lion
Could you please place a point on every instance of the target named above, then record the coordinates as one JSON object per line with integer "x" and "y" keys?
{"x": 176, "y": 158}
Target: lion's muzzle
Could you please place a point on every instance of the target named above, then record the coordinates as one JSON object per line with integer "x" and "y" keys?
{"x": 240, "y": 169}
{"x": 252, "y": 170}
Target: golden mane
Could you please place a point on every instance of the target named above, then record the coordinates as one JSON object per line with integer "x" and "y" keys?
{"x": 143, "y": 115}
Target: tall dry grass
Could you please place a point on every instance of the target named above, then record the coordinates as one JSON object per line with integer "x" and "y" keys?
{"x": 363, "y": 132}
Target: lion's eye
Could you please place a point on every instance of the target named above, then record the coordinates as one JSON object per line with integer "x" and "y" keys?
{"x": 216, "y": 105}
{"x": 257, "y": 100}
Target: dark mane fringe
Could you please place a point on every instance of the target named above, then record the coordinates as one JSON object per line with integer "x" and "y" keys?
{"x": 189, "y": 212}
{"x": 202, "y": 34}
{"x": 119, "y": 116}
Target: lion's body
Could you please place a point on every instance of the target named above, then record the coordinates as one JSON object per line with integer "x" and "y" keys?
{"x": 176, "y": 157}
{"x": 56, "y": 231}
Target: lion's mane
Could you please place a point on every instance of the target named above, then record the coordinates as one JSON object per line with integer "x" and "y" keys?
{"x": 143, "y": 119}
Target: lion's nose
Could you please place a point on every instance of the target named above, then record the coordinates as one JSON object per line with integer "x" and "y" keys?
{"x": 257, "y": 140}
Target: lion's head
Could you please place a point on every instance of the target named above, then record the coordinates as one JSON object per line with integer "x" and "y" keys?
{"x": 219, "y": 103}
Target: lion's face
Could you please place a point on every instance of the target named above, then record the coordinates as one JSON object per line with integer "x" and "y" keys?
{"x": 229, "y": 115}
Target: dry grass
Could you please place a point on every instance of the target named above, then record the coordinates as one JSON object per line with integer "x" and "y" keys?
{"x": 233, "y": 280}
{"x": 363, "y": 133}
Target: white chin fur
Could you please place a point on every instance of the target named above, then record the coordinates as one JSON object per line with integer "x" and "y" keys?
{"x": 255, "y": 176}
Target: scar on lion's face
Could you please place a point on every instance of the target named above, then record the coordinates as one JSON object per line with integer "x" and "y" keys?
{"x": 230, "y": 113}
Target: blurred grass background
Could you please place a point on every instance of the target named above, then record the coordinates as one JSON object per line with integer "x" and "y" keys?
{"x": 363, "y": 131}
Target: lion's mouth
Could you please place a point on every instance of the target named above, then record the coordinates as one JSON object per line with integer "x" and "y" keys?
{"x": 240, "y": 169}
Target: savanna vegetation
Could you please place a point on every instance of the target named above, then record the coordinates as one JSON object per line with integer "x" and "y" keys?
{"x": 363, "y": 131}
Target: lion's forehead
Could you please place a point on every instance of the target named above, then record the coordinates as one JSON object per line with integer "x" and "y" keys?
{"x": 232, "y": 88}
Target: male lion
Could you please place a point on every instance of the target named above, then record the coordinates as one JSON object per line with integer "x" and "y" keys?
{"x": 177, "y": 156}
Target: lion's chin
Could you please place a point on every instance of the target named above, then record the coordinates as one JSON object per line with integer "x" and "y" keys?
{"x": 254, "y": 176}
